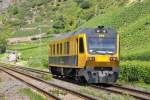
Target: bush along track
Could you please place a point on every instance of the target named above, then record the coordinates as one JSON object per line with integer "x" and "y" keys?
{"x": 135, "y": 71}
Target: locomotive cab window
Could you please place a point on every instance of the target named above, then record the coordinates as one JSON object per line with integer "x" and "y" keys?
{"x": 81, "y": 45}
{"x": 65, "y": 48}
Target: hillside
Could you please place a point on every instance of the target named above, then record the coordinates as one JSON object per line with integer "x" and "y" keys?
{"x": 26, "y": 17}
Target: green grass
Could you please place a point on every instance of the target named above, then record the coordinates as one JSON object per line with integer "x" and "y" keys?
{"x": 138, "y": 85}
{"x": 47, "y": 77}
{"x": 58, "y": 92}
{"x": 1, "y": 55}
{"x": 35, "y": 53}
{"x": 30, "y": 32}
{"x": 103, "y": 95}
{"x": 32, "y": 95}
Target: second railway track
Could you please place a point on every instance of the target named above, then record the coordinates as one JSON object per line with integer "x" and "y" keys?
{"x": 138, "y": 94}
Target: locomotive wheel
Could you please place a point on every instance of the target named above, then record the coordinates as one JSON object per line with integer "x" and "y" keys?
{"x": 81, "y": 79}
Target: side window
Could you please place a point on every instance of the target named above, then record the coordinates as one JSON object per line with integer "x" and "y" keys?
{"x": 54, "y": 49}
{"x": 57, "y": 48}
{"x": 81, "y": 45}
{"x": 51, "y": 50}
{"x": 68, "y": 47}
{"x": 60, "y": 48}
{"x": 64, "y": 47}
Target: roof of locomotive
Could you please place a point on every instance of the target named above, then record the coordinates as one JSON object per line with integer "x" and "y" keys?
{"x": 81, "y": 31}
{"x": 69, "y": 34}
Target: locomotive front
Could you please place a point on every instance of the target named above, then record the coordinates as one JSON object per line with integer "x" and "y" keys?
{"x": 102, "y": 64}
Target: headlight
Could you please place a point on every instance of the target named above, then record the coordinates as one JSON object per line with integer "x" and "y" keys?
{"x": 113, "y": 58}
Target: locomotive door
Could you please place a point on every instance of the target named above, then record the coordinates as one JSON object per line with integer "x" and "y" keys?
{"x": 81, "y": 51}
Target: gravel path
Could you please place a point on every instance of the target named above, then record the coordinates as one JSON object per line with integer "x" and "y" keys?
{"x": 9, "y": 88}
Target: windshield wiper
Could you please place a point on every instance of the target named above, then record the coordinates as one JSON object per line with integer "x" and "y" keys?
{"x": 100, "y": 52}
{"x": 109, "y": 52}
{"x": 104, "y": 52}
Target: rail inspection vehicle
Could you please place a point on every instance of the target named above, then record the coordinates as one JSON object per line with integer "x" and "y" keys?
{"x": 90, "y": 55}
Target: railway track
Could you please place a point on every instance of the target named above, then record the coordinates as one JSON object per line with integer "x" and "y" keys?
{"x": 26, "y": 77}
{"x": 47, "y": 94}
{"x": 138, "y": 94}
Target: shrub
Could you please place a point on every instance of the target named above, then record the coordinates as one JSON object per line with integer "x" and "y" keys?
{"x": 2, "y": 49}
{"x": 40, "y": 2}
{"x": 147, "y": 79}
{"x": 78, "y": 1}
{"x": 33, "y": 3}
{"x": 135, "y": 71}
{"x": 15, "y": 22}
{"x": 85, "y": 5}
{"x": 13, "y": 9}
{"x": 3, "y": 44}
{"x": 59, "y": 25}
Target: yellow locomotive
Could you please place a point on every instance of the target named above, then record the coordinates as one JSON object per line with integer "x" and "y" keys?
{"x": 90, "y": 55}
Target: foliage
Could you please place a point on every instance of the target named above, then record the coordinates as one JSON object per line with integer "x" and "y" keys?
{"x": 13, "y": 9}
{"x": 135, "y": 71}
{"x": 130, "y": 22}
{"x": 85, "y": 5}
{"x": 59, "y": 25}
{"x": 33, "y": 3}
{"x": 32, "y": 95}
{"x": 31, "y": 13}
{"x": 4, "y": 33}
{"x": 15, "y": 22}
{"x": 78, "y": 1}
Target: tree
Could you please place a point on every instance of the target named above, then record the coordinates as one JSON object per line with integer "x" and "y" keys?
{"x": 85, "y": 5}
{"x": 2, "y": 46}
{"x": 4, "y": 33}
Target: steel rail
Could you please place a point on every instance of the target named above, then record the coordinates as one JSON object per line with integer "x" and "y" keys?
{"x": 131, "y": 89}
{"x": 138, "y": 94}
{"x": 26, "y": 68}
{"x": 47, "y": 94}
